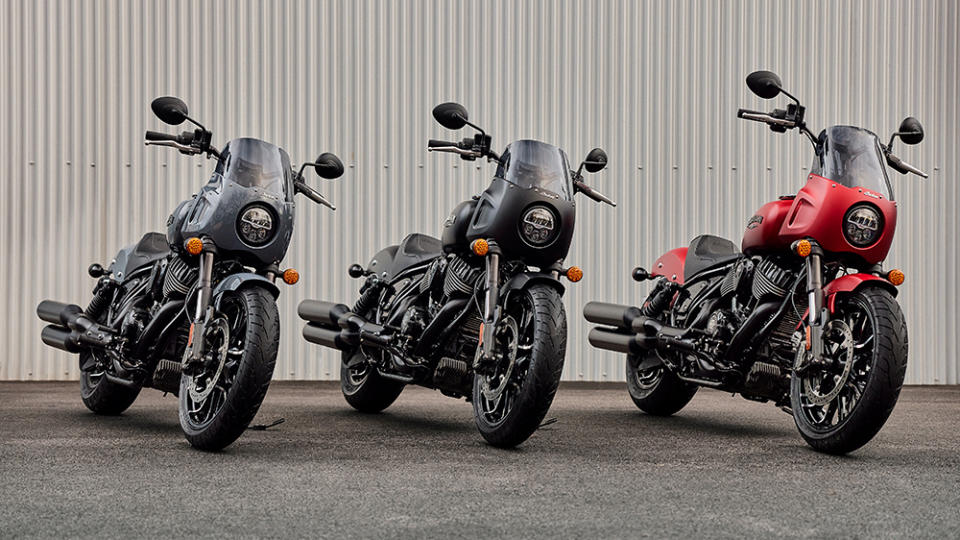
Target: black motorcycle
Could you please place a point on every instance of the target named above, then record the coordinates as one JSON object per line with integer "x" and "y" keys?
{"x": 479, "y": 312}
{"x": 194, "y": 312}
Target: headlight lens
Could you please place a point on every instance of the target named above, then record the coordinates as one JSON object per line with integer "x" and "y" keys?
{"x": 538, "y": 226}
{"x": 255, "y": 225}
{"x": 862, "y": 225}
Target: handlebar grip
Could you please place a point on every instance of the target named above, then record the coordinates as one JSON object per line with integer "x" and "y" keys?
{"x": 435, "y": 143}
{"x": 741, "y": 112}
{"x": 159, "y": 136}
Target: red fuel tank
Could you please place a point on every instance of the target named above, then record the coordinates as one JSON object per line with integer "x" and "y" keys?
{"x": 763, "y": 229}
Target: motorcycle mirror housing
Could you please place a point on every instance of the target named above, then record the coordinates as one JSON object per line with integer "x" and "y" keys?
{"x": 595, "y": 161}
{"x": 450, "y": 115}
{"x": 329, "y": 166}
{"x": 910, "y": 131}
{"x": 170, "y": 110}
{"x": 765, "y": 84}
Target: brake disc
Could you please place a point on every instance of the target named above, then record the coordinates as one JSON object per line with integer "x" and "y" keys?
{"x": 220, "y": 326}
{"x": 506, "y": 351}
{"x": 845, "y": 348}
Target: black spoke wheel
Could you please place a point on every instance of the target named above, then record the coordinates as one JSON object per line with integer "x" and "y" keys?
{"x": 217, "y": 404}
{"x": 511, "y": 399}
{"x": 842, "y": 401}
{"x": 97, "y": 393}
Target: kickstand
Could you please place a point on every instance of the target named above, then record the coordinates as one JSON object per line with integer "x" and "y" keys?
{"x": 264, "y": 427}
{"x": 547, "y": 422}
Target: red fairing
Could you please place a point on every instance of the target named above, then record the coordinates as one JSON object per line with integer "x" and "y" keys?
{"x": 670, "y": 265}
{"x": 852, "y": 282}
{"x": 817, "y": 212}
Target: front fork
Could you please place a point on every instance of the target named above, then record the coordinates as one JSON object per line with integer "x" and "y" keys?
{"x": 818, "y": 315}
{"x": 203, "y": 312}
{"x": 491, "y": 307}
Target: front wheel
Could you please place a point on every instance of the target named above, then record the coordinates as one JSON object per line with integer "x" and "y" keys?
{"x": 842, "y": 401}
{"x": 217, "y": 405}
{"x": 510, "y": 402}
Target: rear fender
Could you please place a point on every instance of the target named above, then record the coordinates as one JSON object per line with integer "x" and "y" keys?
{"x": 670, "y": 265}
{"x": 851, "y": 283}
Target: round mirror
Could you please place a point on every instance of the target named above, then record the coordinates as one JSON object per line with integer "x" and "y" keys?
{"x": 170, "y": 110}
{"x": 450, "y": 115}
{"x": 595, "y": 161}
{"x": 328, "y": 166}
{"x": 911, "y": 132}
{"x": 765, "y": 84}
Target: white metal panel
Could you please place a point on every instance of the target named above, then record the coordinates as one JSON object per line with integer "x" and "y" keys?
{"x": 656, "y": 84}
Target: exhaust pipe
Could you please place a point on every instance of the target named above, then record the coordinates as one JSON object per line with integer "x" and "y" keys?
{"x": 611, "y": 314}
{"x": 322, "y": 313}
{"x": 334, "y": 325}
{"x": 71, "y": 330}
{"x": 326, "y": 337}
{"x": 602, "y": 338}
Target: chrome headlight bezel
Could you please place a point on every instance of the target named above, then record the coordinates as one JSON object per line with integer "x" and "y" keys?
{"x": 539, "y": 226}
{"x": 255, "y": 225}
{"x": 862, "y": 225}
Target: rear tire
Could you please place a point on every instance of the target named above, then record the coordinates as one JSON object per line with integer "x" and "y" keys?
{"x": 657, "y": 390}
{"x": 250, "y": 377}
{"x": 881, "y": 373}
{"x": 102, "y": 396}
{"x": 539, "y": 384}
{"x": 365, "y": 390}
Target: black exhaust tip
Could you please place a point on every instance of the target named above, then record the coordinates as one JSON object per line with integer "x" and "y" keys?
{"x": 326, "y": 337}
{"x": 59, "y": 337}
{"x": 613, "y": 341}
{"x": 610, "y": 314}
{"x": 320, "y": 312}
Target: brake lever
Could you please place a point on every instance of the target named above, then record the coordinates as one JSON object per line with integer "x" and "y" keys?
{"x": 904, "y": 167}
{"x": 454, "y": 150}
{"x": 181, "y": 147}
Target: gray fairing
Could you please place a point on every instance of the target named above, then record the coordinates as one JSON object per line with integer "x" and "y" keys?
{"x": 151, "y": 248}
{"x": 214, "y": 211}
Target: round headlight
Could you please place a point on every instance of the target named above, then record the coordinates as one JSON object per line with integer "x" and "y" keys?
{"x": 538, "y": 226}
{"x": 862, "y": 225}
{"x": 255, "y": 225}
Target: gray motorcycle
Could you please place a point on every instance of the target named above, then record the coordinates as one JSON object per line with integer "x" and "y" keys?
{"x": 194, "y": 312}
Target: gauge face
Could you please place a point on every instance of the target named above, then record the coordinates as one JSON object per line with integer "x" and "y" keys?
{"x": 862, "y": 225}
{"x": 538, "y": 226}
{"x": 255, "y": 225}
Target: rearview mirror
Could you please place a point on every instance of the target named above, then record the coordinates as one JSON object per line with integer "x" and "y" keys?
{"x": 170, "y": 110}
{"x": 765, "y": 84}
{"x": 595, "y": 161}
{"x": 911, "y": 132}
{"x": 329, "y": 166}
{"x": 450, "y": 115}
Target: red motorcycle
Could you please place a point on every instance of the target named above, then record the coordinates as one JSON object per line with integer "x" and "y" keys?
{"x": 804, "y": 315}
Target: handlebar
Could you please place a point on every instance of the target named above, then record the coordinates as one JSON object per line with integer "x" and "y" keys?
{"x": 434, "y": 143}
{"x": 903, "y": 166}
{"x": 313, "y": 194}
{"x": 766, "y": 118}
{"x": 159, "y": 136}
{"x": 582, "y": 187}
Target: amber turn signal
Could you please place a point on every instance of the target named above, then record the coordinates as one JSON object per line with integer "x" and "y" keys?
{"x": 291, "y": 276}
{"x": 194, "y": 245}
{"x": 803, "y": 247}
{"x": 480, "y": 247}
{"x": 574, "y": 274}
{"x": 896, "y": 277}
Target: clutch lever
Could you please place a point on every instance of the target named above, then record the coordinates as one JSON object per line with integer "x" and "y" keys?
{"x": 313, "y": 194}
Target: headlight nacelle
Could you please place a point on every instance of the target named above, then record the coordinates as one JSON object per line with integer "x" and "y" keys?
{"x": 862, "y": 225}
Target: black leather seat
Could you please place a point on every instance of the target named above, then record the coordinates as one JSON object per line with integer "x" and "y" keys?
{"x": 708, "y": 251}
{"x": 415, "y": 249}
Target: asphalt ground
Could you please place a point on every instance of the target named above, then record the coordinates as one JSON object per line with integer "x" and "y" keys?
{"x": 723, "y": 467}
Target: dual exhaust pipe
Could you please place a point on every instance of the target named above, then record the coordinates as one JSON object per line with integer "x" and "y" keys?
{"x": 333, "y": 325}
{"x": 70, "y": 330}
{"x": 632, "y": 332}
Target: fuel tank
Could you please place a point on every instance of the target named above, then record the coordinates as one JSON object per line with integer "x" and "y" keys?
{"x": 763, "y": 228}
{"x": 454, "y": 236}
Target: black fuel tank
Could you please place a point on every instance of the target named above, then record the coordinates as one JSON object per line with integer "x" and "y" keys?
{"x": 455, "y": 227}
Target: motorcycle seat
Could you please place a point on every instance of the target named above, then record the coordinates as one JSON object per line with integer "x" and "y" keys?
{"x": 707, "y": 251}
{"x": 415, "y": 249}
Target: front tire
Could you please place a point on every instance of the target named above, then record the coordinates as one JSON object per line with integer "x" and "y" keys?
{"x": 868, "y": 390}
{"x": 254, "y": 336}
{"x": 102, "y": 396}
{"x": 657, "y": 390}
{"x": 541, "y": 323}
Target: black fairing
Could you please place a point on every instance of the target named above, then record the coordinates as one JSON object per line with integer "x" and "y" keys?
{"x": 498, "y": 213}
{"x": 413, "y": 250}
{"x": 249, "y": 171}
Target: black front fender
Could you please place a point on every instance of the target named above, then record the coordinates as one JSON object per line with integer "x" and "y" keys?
{"x": 526, "y": 279}
{"x": 235, "y": 282}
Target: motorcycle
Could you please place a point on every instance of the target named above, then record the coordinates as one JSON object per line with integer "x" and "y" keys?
{"x": 805, "y": 315}
{"x": 194, "y": 312}
{"x": 477, "y": 313}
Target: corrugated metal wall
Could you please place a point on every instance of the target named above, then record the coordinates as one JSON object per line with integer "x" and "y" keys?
{"x": 656, "y": 84}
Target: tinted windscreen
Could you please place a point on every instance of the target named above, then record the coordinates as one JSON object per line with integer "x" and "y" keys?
{"x": 255, "y": 163}
{"x": 851, "y": 156}
{"x": 535, "y": 164}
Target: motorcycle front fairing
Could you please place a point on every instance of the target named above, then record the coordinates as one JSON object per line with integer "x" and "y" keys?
{"x": 250, "y": 172}
{"x": 531, "y": 174}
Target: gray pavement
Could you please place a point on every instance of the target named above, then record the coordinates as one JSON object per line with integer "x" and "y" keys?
{"x": 723, "y": 467}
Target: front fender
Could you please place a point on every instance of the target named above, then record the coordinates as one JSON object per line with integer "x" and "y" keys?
{"x": 235, "y": 282}
{"x": 854, "y": 282}
{"x": 525, "y": 279}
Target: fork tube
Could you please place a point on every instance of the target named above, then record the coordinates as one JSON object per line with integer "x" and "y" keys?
{"x": 490, "y": 303}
